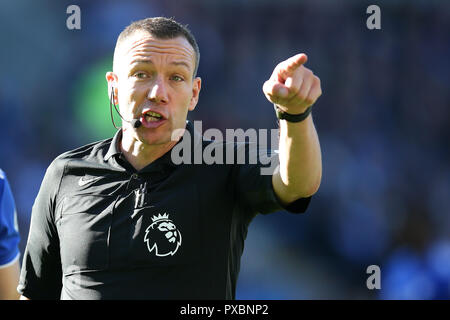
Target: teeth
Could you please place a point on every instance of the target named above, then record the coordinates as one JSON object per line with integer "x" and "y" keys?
{"x": 154, "y": 114}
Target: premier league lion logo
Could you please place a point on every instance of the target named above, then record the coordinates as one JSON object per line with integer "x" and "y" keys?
{"x": 162, "y": 236}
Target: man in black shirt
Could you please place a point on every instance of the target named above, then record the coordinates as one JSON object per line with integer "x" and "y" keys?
{"x": 120, "y": 219}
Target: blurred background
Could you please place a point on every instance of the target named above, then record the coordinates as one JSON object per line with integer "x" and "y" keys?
{"x": 383, "y": 122}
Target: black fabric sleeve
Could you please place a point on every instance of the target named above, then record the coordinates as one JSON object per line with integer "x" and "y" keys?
{"x": 41, "y": 275}
{"x": 254, "y": 184}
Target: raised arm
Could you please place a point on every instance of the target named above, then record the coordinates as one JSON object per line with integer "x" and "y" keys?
{"x": 293, "y": 88}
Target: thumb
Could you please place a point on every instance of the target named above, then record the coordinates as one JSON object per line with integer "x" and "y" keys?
{"x": 280, "y": 90}
{"x": 275, "y": 89}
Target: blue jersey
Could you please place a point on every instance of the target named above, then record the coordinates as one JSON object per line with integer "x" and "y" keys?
{"x": 9, "y": 233}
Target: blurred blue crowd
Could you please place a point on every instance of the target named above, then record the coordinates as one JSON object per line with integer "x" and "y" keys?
{"x": 383, "y": 123}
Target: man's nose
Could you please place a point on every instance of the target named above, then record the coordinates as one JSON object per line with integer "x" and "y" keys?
{"x": 158, "y": 92}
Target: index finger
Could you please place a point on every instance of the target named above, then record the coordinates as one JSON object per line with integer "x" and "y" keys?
{"x": 296, "y": 61}
{"x": 286, "y": 68}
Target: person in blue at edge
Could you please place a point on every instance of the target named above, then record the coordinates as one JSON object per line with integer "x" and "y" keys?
{"x": 9, "y": 240}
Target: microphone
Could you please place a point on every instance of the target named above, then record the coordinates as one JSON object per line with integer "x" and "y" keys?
{"x": 136, "y": 123}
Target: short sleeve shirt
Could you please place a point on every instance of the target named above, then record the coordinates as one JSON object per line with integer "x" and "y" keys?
{"x": 9, "y": 232}
{"x": 102, "y": 230}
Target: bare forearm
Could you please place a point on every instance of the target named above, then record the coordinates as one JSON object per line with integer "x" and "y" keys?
{"x": 9, "y": 279}
{"x": 300, "y": 161}
{"x": 294, "y": 88}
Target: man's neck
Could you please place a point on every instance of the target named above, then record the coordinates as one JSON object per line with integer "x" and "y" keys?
{"x": 140, "y": 155}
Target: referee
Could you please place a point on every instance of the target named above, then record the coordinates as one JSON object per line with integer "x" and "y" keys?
{"x": 119, "y": 219}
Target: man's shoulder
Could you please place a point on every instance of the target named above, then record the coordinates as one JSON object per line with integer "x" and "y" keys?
{"x": 94, "y": 151}
{"x": 3, "y": 182}
{"x": 238, "y": 147}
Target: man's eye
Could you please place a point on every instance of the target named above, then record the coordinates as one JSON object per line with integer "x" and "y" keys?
{"x": 140, "y": 75}
{"x": 177, "y": 78}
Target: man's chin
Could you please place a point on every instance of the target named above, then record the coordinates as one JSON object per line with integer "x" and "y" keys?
{"x": 155, "y": 139}
{"x": 162, "y": 136}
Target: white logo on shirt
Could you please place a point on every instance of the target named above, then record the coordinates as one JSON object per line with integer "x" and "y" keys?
{"x": 162, "y": 236}
{"x": 84, "y": 181}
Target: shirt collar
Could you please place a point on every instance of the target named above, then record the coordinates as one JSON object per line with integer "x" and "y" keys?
{"x": 114, "y": 148}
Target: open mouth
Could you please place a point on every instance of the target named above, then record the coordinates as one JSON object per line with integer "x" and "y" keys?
{"x": 152, "y": 116}
{"x": 152, "y": 119}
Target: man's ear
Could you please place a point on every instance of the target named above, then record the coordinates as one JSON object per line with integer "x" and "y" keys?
{"x": 197, "y": 86}
{"x": 111, "y": 78}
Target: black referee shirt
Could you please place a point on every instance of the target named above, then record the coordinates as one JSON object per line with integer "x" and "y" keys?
{"x": 102, "y": 230}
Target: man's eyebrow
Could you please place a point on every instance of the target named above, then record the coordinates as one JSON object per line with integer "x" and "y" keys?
{"x": 176, "y": 63}
{"x": 135, "y": 62}
{"x": 181, "y": 63}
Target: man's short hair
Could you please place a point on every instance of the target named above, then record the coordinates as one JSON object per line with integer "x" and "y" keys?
{"x": 161, "y": 28}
